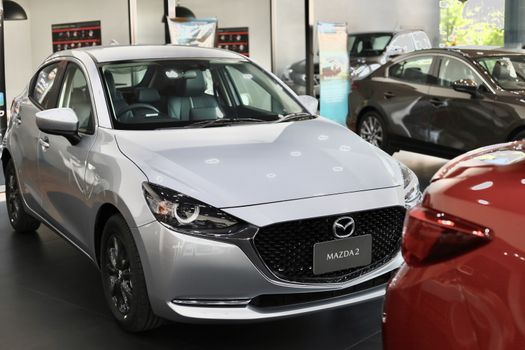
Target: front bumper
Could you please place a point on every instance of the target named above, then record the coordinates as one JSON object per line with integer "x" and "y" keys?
{"x": 195, "y": 278}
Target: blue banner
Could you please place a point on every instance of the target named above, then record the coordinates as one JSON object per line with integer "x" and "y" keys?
{"x": 333, "y": 70}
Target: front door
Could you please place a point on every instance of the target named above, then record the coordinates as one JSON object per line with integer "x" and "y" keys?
{"x": 406, "y": 100}
{"x": 460, "y": 122}
{"x": 62, "y": 165}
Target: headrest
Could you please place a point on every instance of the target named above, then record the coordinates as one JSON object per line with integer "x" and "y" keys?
{"x": 147, "y": 95}
{"x": 195, "y": 86}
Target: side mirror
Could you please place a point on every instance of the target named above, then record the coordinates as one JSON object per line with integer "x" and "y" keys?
{"x": 310, "y": 103}
{"x": 59, "y": 121}
{"x": 468, "y": 86}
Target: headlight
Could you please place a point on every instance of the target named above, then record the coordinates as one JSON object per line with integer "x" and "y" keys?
{"x": 410, "y": 186}
{"x": 186, "y": 214}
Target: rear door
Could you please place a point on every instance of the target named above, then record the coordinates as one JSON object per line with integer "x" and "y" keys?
{"x": 42, "y": 94}
{"x": 459, "y": 121}
{"x": 405, "y": 98}
{"x": 62, "y": 165}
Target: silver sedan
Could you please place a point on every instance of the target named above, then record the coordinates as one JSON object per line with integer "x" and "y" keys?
{"x": 201, "y": 186}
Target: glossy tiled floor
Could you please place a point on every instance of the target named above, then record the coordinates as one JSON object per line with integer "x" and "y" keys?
{"x": 51, "y": 298}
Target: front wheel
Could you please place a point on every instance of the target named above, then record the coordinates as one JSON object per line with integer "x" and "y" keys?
{"x": 372, "y": 129}
{"x": 123, "y": 278}
{"x": 20, "y": 220}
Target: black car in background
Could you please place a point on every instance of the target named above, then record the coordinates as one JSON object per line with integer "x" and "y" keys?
{"x": 441, "y": 102}
{"x": 367, "y": 51}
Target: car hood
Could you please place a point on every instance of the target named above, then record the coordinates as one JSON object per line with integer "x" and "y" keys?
{"x": 260, "y": 163}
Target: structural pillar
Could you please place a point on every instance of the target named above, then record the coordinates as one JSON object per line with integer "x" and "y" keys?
{"x": 514, "y": 23}
{"x": 309, "y": 18}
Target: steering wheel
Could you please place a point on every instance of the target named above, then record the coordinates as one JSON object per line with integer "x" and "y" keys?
{"x": 136, "y": 106}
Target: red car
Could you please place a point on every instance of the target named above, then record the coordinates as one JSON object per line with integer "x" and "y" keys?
{"x": 463, "y": 284}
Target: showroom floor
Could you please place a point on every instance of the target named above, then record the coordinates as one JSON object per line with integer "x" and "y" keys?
{"x": 51, "y": 298}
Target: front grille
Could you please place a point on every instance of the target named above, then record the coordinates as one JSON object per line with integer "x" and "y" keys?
{"x": 287, "y": 248}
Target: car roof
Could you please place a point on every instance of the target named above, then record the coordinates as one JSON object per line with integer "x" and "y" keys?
{"x": 104, "y": 54}
{"x": 473, "y": 53}
{"x": 391, "y": 32}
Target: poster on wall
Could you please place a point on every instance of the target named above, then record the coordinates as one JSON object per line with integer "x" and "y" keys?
{"x": 193, "y": 32}
{"x": 74, "y": 35}
{"x": 234, "y": 39}
{"x": 333, "y": 69}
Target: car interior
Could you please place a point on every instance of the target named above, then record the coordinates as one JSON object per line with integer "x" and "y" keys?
{"x": 187, "y": 94}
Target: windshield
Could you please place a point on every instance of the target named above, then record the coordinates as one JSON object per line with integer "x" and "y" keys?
{"x": 367, "y": 45}
{"x": 191, "y": 93}
{"x": 507, "y": 71}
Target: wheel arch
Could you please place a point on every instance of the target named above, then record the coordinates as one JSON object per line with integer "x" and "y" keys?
{"x": 106, "y": 211}
{"x": 6, "y": 157}
{"x": 371, "y": 108}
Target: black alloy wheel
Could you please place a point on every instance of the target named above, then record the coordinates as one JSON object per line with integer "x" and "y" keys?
{"x": 123, "y": 278}
{"x": 19, "y": 219}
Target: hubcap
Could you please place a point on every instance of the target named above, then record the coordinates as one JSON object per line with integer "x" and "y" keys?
{"x": 372, "y": 131}
{"x": 13, "y": 200}
{"x": 118, "y": 274}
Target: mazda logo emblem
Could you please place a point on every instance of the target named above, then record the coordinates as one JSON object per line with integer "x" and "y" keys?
{"x": 344, "y": 227}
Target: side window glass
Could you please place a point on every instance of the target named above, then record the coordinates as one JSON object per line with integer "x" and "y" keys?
{"x": 413, "y": 70}
{"x": 403, "y": 42}
{"x": 45, "y": 80}
{"x": 451, "y": 70}
{"x": 75, "y": 95}
{"x": 421, "y": 41}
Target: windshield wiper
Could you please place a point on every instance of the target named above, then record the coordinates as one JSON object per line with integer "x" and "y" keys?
{"x": 295, "y": 116}
{"x": 223, "y": 122}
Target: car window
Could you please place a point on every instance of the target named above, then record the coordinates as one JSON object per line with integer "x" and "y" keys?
{"x": 507, "y": 71}
{"x": 451, "y": 70}
{"x": 367, "y": 45}
{"x": 421, "y": 40}
{"x": 414, "y": 70}
{"x": 193, "y": 92}
{"x": 44, "y": 86}
{"x": 251, "y": 93}
{"x": 403, "y": 42}
{"x": 129, "y": 76}
{"x": 75, "y": 95}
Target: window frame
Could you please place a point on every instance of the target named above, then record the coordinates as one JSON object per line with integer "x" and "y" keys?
{"x": 469, "y": 64}
{"x": 93, "y": 119}
{"x": 431, "y": 70}
{"x": 55, "y": 89}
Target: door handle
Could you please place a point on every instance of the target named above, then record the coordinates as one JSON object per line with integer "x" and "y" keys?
{"x": 44, "y": 143}
{"x": 436, "y": 102}
{"x": 389, "y": 94}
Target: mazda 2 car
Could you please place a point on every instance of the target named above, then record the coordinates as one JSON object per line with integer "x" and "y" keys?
{"x": 463, "y": 283}
{"x": 201, "y": 186}
{"x": 442, "y": 102}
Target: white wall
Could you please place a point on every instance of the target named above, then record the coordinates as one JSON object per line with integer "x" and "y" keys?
{"x": 18, "y": 54}
{"x": 113, "y": 15}
{"x": 149, "y": 27}
{"x": 254, "y": 14}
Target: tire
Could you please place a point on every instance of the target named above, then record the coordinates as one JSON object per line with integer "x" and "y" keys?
{"x": 123, "y": 278}
{"x": 520, "y": 136}
{"x": 372, "y": 129}
{"x": 19, "y": 219}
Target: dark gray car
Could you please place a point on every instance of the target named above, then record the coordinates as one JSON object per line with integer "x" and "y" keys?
{"x": 442, "y": 102}
{"x": 368, "y": 51}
